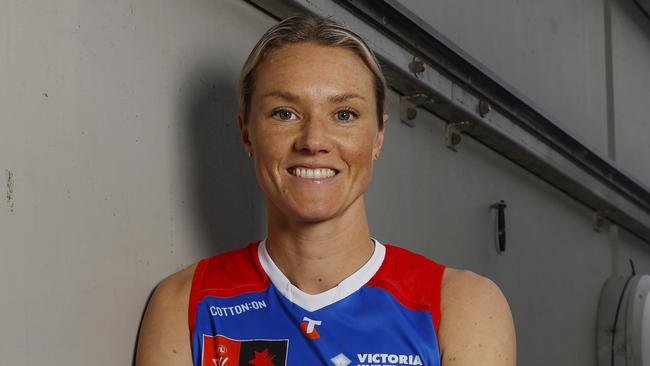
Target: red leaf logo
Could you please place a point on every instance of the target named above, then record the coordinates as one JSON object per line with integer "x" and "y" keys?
{"x": 262, "y": 358}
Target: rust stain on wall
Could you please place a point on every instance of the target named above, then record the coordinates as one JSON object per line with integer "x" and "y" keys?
{"x": 10, "y": 190}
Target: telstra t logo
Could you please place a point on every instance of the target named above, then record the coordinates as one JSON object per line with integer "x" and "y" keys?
{"x": 308, "y": 327}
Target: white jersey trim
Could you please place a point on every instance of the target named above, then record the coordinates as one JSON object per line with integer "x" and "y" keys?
{"x": 313, "y": 302}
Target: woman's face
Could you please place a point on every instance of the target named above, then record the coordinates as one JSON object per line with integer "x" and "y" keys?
{"x": 313, "y": 130}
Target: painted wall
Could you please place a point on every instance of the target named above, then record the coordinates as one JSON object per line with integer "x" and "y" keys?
{"x": 560, "y": 55}
{"x": 555, "y": 263}
{"x": 119, "y": 141}
{"x": 631, "y": 88}
{"x": 553, "y": 52}
{"x": 556, "y": 53}
{"x": 117, "y": 125}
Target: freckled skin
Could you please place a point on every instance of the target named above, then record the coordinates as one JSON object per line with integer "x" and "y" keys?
{"x": 314, "y": 132}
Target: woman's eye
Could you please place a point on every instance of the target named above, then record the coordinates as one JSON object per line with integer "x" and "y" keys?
{"x": 345, "y": 115}
{"x": 284, "y": 114}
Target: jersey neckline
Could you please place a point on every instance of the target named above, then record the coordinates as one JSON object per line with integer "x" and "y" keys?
{"x": 314, "y": 302}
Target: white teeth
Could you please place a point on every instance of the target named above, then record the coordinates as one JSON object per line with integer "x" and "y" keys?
{"x": 313, "y": 173}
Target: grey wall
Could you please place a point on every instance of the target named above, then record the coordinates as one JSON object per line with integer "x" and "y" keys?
{"x": 556, "y": 53}
{"x": 117, "y": 123}
{"x": 586, "y": 64}
{"x": 117, "y": 127}
{"x": 630, "y": 32}
{"x": 551, "y": 51}
{"x": 555, "y": 263}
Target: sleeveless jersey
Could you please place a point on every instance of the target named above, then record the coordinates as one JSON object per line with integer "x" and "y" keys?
{"x": 244, "y": 311}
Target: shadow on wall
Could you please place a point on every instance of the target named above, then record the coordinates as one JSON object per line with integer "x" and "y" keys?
{"x": 228, "y": 205}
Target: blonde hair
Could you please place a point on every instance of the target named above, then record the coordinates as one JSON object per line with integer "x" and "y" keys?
{"x": 304, "y": 28}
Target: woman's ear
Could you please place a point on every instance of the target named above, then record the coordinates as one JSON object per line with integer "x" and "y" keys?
{"x": 379, "y": 142}
{"x": 245, "y": 136}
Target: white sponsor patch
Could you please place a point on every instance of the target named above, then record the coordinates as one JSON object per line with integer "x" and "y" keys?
{"x": 340, "y": 360}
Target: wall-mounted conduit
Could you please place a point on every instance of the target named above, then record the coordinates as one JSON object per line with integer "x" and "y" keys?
{"x": 459, "y": 88}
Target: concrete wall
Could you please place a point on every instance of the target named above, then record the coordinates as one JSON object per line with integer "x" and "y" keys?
{"x": 556, "y": 54}
{"x": 553, "y": 52}
{"x": 555, "y": 263}
{"x": 118, "y": 138}
{"x": 630, "y": 32}
{"x": 117, "y": 123}
{"x": 586, "y": 64}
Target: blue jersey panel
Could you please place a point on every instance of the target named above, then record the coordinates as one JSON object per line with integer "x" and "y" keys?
{"x": 369, "y": 327}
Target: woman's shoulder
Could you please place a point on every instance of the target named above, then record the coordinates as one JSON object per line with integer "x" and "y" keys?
{"x": 462, "y": 289}
{"x": 164, "y": 331}
{"x": 476, "y": 321}
{"x": 461, "y": 282}
{"x": 177, "y": 284}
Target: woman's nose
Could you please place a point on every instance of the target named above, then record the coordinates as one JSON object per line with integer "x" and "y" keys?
{"x": 314, "y": 136}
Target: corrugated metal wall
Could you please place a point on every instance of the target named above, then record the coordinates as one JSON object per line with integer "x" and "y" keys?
{"x": 118, "y": 131}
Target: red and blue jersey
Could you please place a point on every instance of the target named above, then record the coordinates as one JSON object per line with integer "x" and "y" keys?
{"x": 244, "y": 311}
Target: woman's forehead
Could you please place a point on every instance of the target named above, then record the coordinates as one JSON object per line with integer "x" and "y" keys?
{"x": 316, "y": 67}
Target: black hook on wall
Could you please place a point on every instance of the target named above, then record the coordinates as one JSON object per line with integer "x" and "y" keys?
{"x": 501, "y": 225}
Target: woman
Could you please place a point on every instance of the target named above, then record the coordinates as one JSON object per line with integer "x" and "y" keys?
{"x": 319, "y": 290}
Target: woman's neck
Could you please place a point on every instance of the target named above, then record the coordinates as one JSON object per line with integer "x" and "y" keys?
{"x": 316, "y": 257}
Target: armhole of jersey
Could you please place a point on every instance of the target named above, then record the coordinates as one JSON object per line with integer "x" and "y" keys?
{"x": 197, "y": 283}
{"x": 437, "y": 296}
{"x": 423, "y": 287}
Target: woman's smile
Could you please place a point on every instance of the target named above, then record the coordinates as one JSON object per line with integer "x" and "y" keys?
{"x": 313, "y": 175}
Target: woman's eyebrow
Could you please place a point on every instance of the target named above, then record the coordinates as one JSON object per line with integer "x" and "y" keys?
{"x": 283, "y": 95}
{"x": 339, "y": 98}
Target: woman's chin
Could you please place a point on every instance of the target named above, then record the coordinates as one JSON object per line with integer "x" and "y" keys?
{"x": 314, "y": 209}
{"x": 314, "y": 215}
{"x": 314, "y": 218}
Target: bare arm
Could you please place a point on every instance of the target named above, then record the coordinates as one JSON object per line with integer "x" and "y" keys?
{"x": 476, "y": 327}
{"x": 164, "y": 335}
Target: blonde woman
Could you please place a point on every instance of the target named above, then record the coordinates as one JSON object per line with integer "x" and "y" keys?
{"x": 319, "y": 290}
